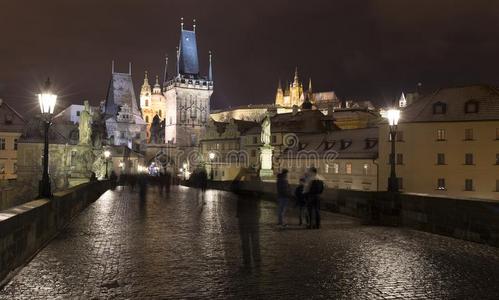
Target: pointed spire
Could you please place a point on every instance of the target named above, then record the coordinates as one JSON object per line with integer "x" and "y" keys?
{"x": 178, "y": 62}
{"x": 310, "y": 85}
{"x": 194, "y": 25}
{"x": 182, "y": 23}
{"x": 210, "y": 71}
{"x": 146, "y": 80}
{"x": 279, "y": 86}
{"x": 129, "y": 68}
{"x": 296, "y": 81}
{"x": 112, "y": 66}
{"x": 165, "y": 74}
{"x": 402, "y": 101}
{"x": 157, "y": 80}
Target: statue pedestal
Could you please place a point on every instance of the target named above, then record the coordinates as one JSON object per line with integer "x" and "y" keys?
{"x": 266, "y": 171}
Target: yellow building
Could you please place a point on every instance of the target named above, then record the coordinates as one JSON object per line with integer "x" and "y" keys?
{"x": 11, "y": 127}
{"x": 345, "y": 159}
{"x": 152, "y": 103}
{"x": 447, "y": 144}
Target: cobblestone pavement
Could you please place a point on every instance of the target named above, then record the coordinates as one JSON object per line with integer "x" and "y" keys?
{"x": 174, "y": 247}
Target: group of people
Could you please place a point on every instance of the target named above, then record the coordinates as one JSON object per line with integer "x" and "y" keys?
{"x": 306, "y": 195}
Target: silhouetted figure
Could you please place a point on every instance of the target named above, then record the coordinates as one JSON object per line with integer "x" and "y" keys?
{"x": 300, "y": 200}
{"x": 312, "y": 190}
{"x": 248, "y": 215}
{"x": 282, "y": 195}
{"x": 93, "y": 177}
{"x": 142, "y": 187}
{"x": 113, "y": 178}
{"x": 132, "y": 181}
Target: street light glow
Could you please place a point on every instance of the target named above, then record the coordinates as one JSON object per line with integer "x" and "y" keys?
{"x": 47, "y": 99}
{"x": 211, "y": 155}
{"x": 393, "y": 116}
{"x": 107, "y": 154}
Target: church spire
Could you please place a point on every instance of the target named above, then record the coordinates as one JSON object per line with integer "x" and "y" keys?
{"x": 210, "y": 71}
{"x": 165, "y": 74}
{"x": 310, "y": 85}
{"x": 146, "y": 80}
{"x": 296, "y": 81}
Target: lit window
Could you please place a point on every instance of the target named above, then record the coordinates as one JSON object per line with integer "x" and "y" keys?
{"x": 326, "y": 168}
{"x": 441, "y": 184}
{"x": 2, "y": 143}
{"x": 440, "y": 159}
{"x": 468, "y": 159}
{"x": 468, "y": 134}
{"x": 440, "y": 134}
{"x": 468, "y": 184}
{"x": 336, "y": 168}
{"x": 348, "y": 168}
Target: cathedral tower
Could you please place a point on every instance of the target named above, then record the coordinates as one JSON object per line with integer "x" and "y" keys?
{"x": 187, "y": 95}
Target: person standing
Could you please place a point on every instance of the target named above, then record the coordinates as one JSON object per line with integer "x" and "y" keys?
{"x": 300, "y": 200}
{"x": 282, "y": 195}
{"x": 312, "y": 190}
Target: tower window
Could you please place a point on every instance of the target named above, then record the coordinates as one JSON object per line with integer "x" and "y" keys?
{"x": 468, "y": 159}
{"x": 440, "y": 159}
{"x": 440, "y": 134}
{"x": 441, "y": 184}
{"x": 468, "y": 184}
{"x": 348, "y": 168}
{"x": 468, "y": 134}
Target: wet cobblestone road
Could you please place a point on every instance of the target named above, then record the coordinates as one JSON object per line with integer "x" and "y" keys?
{"x": 172, "y": 247}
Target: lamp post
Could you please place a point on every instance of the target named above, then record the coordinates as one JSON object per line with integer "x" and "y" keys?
{"x": 47, "y": 102}
{"x": 393, "y": 116}
{"x": 107, "y": 154}
{"x": 211, "y": 156}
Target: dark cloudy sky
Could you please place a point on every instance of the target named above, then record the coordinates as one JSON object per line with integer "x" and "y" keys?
{"x": 360, "y": 49}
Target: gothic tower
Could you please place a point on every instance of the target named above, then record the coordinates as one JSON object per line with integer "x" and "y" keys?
{"x": 187, "y": 95}
{"x": 279, "y": 97}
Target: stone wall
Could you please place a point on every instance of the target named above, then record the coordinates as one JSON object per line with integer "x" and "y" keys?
{"x": 469, "y": 219}
{"x": 26, "y": 228}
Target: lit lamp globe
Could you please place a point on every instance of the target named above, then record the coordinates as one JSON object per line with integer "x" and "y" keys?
{"x": 211, "y": 156}
{"x": 47, "y": 99}
{"x": 393, "y": 116}
{"x": 107, "y": 154}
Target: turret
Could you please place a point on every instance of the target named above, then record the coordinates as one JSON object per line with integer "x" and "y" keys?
{"x": 157, "y": 86}
{"x": 145, "y": 92}
{"x": 279, "y": 97}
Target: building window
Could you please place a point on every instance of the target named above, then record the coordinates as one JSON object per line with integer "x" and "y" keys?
{"x": 441, "y": 184}
{"x": 193, "y": 139}
{"x": 440, "y": 159}
{"x": 366, "y": 169}
{"x": 336, "y": 168}
{"x": 274, "y": 139}
{"x": 348, "y": 168}
{"x": 468, "y": 134}
{"x": 255, "y": 140}
{"x": 147, "y": 103}
{"x": 326, "y": 168}
{"x": 439, "y": 108}
{"x": 15, "y": 143}
{"x": 78, "y": 113}
{"x": 400, "y": 159}
{"x": 440, "y": 134}
{"x": 468, "y": 159}
{"x": 471, "y": 107}
{"x": 468, "y": 184}
{"x": 2, "y": 143}
{"x": 400, "y": 136}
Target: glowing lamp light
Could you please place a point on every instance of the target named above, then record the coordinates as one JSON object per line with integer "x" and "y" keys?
{"x": 211, "y": 155}
{"x": 184, "y": 165}
{"x": 107, "y": 154}
{"x": 393, "y": 116}
{"x": 47, "y": 99}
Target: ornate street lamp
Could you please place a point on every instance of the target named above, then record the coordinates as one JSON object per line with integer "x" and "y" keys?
{"x": 211, "y": 156}
{"x": 47, "y": 104}
{"x": 393, "y": 116}
{"x": 107, "y": 154}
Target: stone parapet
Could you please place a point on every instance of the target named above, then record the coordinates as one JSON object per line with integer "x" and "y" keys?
{"x": 26, "y": 228}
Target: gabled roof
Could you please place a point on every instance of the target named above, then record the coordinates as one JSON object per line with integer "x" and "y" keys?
{"x": 120, "y": 92}
{"x": 344, "y": 144}
{"x": 188, "y": 53}
{"x": 455, "y": 99}
{"x": 11, "y": 121}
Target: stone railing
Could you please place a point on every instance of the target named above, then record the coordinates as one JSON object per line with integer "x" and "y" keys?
{"x": 469, "y": 219}
{"x": 26, "y": 228}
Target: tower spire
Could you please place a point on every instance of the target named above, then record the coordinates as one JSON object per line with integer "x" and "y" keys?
{"x": 146, "y": 80}
{"x": 210, "y": 71}
{"x": 165, "y": 74}
{"x": 194, "y": 25}
{"x": 182, "y": 23}
{"x": 112, "y": 66}
{"x": 129, "y": 68}
{"x": 178, "y": 62}
{"x": 296, "y": 79}
{"x": 310, "y": 85}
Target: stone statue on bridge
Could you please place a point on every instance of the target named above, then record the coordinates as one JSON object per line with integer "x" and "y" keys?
{"x": 85, "y": 126}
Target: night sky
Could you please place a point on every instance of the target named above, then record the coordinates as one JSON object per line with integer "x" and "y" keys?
{"x": 364, "y": 50}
